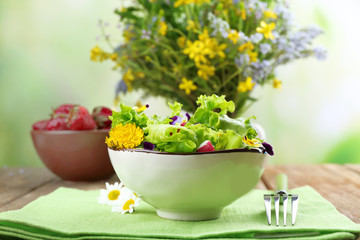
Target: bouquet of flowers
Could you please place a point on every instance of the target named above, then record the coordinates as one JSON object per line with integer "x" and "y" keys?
{"x": 181, "y": 49}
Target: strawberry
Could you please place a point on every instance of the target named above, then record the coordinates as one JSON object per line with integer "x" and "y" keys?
{"x": 206, "y": 146}
{"x": 80, "y": 119}
{"x": 62, "y": 110}
{"x": 58, "y": 123}
{"x": 40, "y": 125}
{"x": 101, "y": 117}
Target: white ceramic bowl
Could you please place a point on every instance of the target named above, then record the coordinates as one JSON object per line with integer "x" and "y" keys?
{"x": 195, "y": 186}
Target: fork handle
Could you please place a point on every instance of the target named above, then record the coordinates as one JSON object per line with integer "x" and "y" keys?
{"x": 281, "y": 184}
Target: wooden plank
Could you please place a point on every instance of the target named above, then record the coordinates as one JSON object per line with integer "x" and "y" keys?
{"x": 51, "y": 186}
{"x": 336, "y": 183}
{"x": 16, "y": 182}
{"x": 353, "y": 167}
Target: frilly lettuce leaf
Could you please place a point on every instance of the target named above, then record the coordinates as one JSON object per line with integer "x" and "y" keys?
{"x": 204, "y": 133}
{"x": 229, "y": 140}
{"x": 128, "y": 115}
{"x": 205, "y": 113}
{"x": 175, "y": 108}
{"x": 171, "y": 138}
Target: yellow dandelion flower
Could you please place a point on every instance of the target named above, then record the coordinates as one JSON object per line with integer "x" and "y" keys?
{"x": 181, "y": 41}
{"x": 205, "y": 71}
{"x": 266, "y": 30}
{"x": 246, "y": 86}
{"x": 251, "y": 142}
{"x": 163, "y": 28}
{"x": 270, "y": 14}
{"x": 277, "y": 83}
{"x": 125, "y": 136}
{"x": 233, "y": 36}
{"x": 129, "y": 78}
{"x": 187, "y": 86}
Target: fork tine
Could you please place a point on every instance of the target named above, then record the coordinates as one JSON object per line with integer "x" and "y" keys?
{"x": 294, "y": 207}
{"x": 285, "y": 200}
{"x": 277, "y": 203}
{"x": 267, "y": 200}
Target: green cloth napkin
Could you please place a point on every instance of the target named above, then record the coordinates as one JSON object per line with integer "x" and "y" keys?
{"x": 75, "y": 214}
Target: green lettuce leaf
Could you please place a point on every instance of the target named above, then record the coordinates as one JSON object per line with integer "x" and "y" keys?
{"x": 204, "y": 133}
{"x": 211, "y": 109}
{"x": 229, "y": 140}
{"x": 128, "y": 115}
{"x": 171, "y": 138}
{"x": 175, "y": 108}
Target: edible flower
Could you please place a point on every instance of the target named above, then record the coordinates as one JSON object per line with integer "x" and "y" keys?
{"x": 251, "y": 142}
{"x": 125, "y": 136}
{"x": 127, "y": 204}
{"x": 148, "y": 146}
{"x": 163, "y": 28}
{"x": 268, "y": 148}
{"x": 277, "y": 83}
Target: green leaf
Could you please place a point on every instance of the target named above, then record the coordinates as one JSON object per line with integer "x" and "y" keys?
{"x": 128, "y": 115}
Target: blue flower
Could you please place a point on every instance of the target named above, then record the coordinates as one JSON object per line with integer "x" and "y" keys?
{"x": 121, "y": 87}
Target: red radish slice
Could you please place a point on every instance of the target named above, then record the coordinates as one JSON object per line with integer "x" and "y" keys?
{"x": 206, "y": 146}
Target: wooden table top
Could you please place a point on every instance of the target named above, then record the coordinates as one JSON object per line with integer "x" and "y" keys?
{"x": 339, "y": 184}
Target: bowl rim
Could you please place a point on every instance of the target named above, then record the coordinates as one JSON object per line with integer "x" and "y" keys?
{"x": 63, "y": 132}
{"x": 245, "y": 150}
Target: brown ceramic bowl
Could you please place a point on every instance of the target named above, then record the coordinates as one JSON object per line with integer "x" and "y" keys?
{"x": 74, "y": 155}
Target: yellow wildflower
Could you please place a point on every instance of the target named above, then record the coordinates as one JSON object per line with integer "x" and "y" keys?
{"x": 246, "y": 86}
{"x": 196, "y": 51}
{"x": 246, "y": 46}
{"x": 252, "y": 56}
{"x": 179, "y": 3}
{"x": 114, "y": 56}
{"x": 266, "y": 30}
{"x": 233, "y": 36}
{"x": 152, "y": 1}
{"x": 187, "y": 86}
{"x": 205, "y": 71}
{"x": 243, "y": 14}
{"x": 277, "y": 83}
{"x": 191, "y": 25}
{"x": 181, "y": 41}
{"x": 270, "y": 14}
{"x": 97, "y": 54}
{"x": 128, "y": 35}
{"x": 200, "y": 1}
{"x": 251, "y": 142}
{"x": 125, "y": 136}
{"x": 163, "y": 28}
{"x": 128, "y": 78}
{"x": 215, "y": 49}
{"x": 204, "y": 35}
{"x": 140, "y": 74}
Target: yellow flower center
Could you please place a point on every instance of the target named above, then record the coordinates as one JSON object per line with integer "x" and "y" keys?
{"x": 113, "y": 195}
{"x": 127, "y": 204}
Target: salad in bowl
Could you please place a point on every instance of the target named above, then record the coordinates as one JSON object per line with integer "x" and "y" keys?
{"x": 187, "y": 167}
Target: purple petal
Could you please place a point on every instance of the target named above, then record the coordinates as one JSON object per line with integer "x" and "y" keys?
{"x": 149, "y": 146}
{"x": 268, "y": 148}
{"x": 187, "y": 116}
{"x": 175, "y": 119}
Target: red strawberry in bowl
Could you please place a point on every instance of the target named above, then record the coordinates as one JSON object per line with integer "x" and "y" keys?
{"x": 101, "y": 117}
{"x": 40, "y": 125}
{"x": 59, "y": 123}
{"x": 63, "y": 110}
{"x": 80, "y": 119}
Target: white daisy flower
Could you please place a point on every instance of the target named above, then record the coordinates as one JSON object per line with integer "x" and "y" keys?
{"x": 111, "y": 194}
{"x": 127, "y": 203}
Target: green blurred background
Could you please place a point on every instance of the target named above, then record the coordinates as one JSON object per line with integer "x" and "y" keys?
{"x": 44, "y": 62}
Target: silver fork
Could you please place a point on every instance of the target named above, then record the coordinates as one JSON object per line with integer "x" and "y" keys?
{"x": 281, "y": 196}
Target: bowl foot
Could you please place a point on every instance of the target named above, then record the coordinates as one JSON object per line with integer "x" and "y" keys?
{"x": 191, "y": 215}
